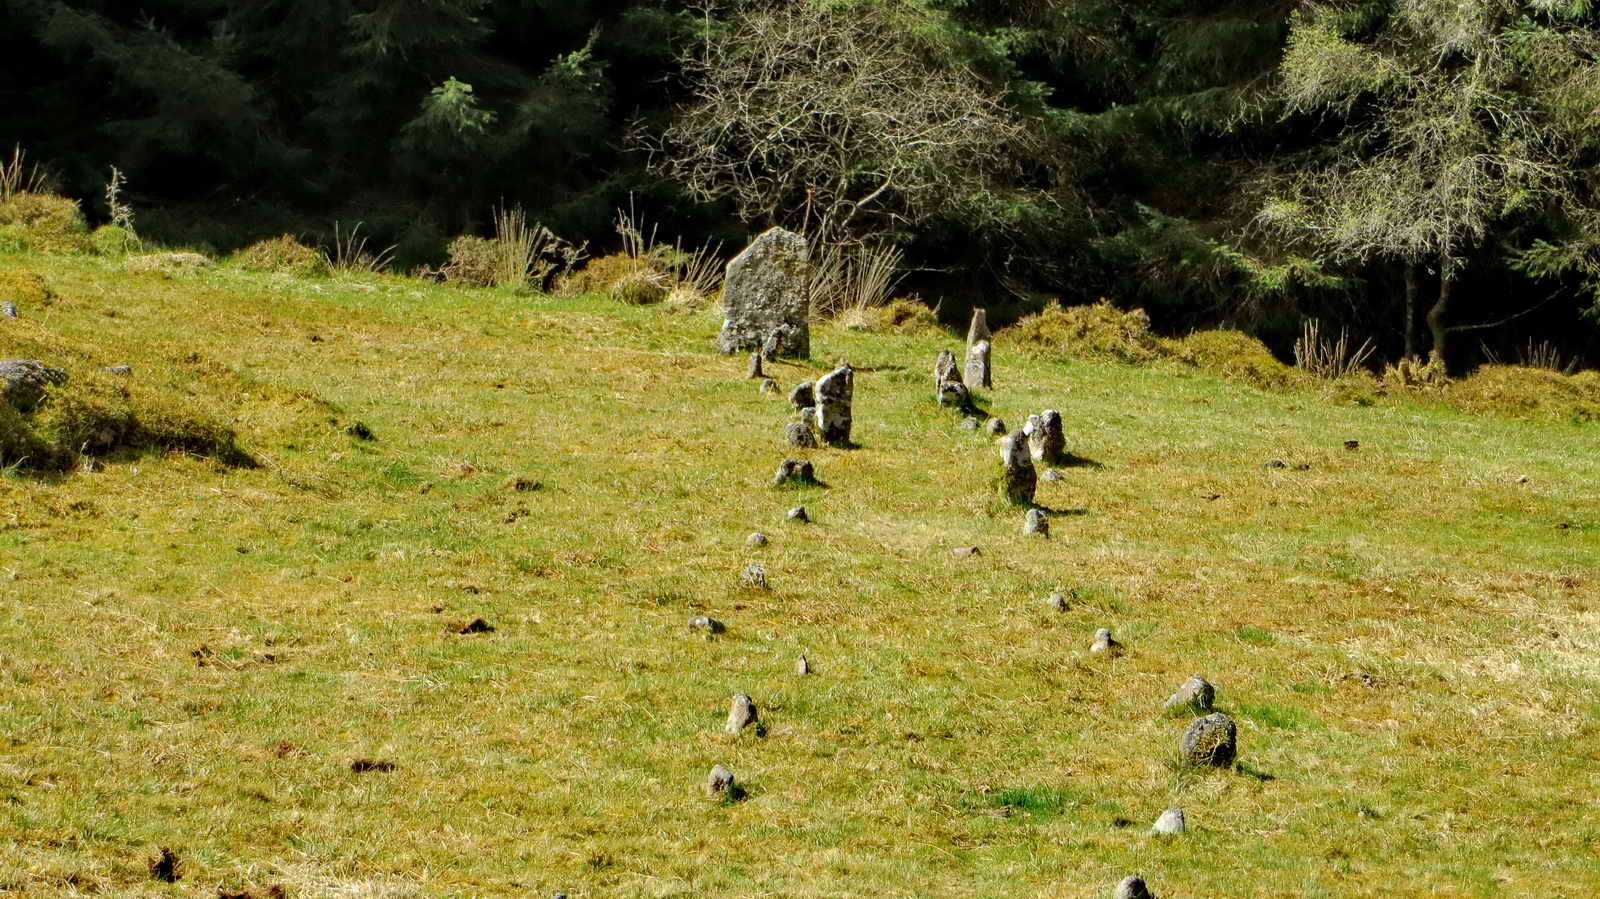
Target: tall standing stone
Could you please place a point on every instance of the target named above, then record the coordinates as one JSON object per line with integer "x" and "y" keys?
{"x": 1046, "y": 441}
{"x": 979, "y": 329}
{"x": 948, "y": 390}
{"x": 978, "y": 365}
{"x": 765, "y": 298}
{"x": 742, "y": 714}
{"x": 1018, "y": 479}
{"x": 834, "y": 391}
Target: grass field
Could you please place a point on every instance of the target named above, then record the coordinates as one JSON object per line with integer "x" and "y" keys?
{"x": 193, "y": 655}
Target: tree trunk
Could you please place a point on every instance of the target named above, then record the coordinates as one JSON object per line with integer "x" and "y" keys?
{"x": 1437, "y": 325}
{"x": 1411, "y": 309}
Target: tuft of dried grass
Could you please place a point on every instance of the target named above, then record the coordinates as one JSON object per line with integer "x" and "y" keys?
{"x": 1330, "y": 358}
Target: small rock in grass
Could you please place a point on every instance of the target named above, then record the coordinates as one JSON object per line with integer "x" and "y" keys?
{"x": 769, "y": 386}
{"x": 362, "y": 766}
{"x": 9, "y": 310}
{"x": 707, "y": 624}
{"x": 798, "y": 513}
{"x": 1051, "y": 474}
{"x": 1212, "y": 740}
{"x": 754, "y": 576}
{"x": 803, "y": 395}
{"x": 1352, "y": 445}
{"x": 794, "y": 471}
{"x": 996, "y": 427}
{"x": 123, "y": 371}
{"x": 1170, "y": 824}
{"x": 802, "y": 666}
{"x": 1195, "y": 696}
{"x": 742, "y": 714}
{"x": 754, "y": 370}
{"x": 1132, "y": 888}
{"x": 476, "y": 626}
{"x": 966, "y": 552}
{"x": 1057, "y": 601}
{"x": 164, "y": 867}
{"x": 756, "y": 540}
{"x": 1036, "y": 524}
{"x": 1275, "y": 463}
{"x": 720, "y": 780}
{"x": 799, "y": 435}
{"x": 1104, "y": 643}
{"x": 970, "y": 423}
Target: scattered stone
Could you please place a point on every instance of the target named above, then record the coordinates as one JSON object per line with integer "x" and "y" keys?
{"x": 794, "y": 471}
{"x": 1057, "y": 601}
{"x": 1170, "y": 824}
{"x": 1046, "y": 441}
{"x": 363, "y": 766}
{"x": 754, "y": 370}
{"x": 1018, "y": 480}
{"x": 978, "y": 364}
{"x": 1352, "y": 445}
{"x": 754, "y": 576}
{"x": 1132, "y": 888}
{"x": 1104, "y": 643}
{"x": 707, "y": 624}
{"x": 742, "y": 714}
{"x": 955, "y": 394}
{"x": 9, "y": 310}
{"x": 359, "y": 431}
{"x": 798, "y": 513}
{"x": 802, "y": 667}
{"x": 1037, "y": 524}
{"x": 1212, "y": 740}
{"x": 803, "y": 395}
{"x": 966, "y": 552}
{"x": 164, "y": 867}
{"x": 522, "y": 484}
{"x": 834, "y": 393}
{"x": 756, "y": 540}
{"x": 996, "y": 427}
{"x": 766, "y": 299}
{"x": 476, "y": 626}
{"x": 799, "y": 435}
{"x": 23, "y": 382}
{"x": 1194, "y": 697}
{"x": 720, "y": 780}
{"x": 769, "y": 386}
{"x": 970, "y": 423}
{"x": 1051, "y": 475}
{"x": 1275, "y": 463}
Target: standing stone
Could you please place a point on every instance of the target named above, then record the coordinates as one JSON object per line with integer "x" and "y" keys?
{"x": 756, "y": 540}
{"x": 765, "y": 297}
{"x": 979, "y": 329}
{"x": 978, "y": 365}
{"x": 794, "y": 471}
{"x": 1170, "y": 824}
{"x": 1212, "y": 740}
{"x": 802, "y": 667}
{"x": 947, "y": 387}
{"x": 754, "y": 371}
{"x": 1194, "y": 697}
{"x": 835, "y": 391}
{"x": 742, "y": 714}
{"x": 1037, "y": 524}
{"x": 798, "y": 513}
{"x": 1057, "y": 601}
{"x": 996, "y": 427}
{"x": 798, "y": 434}
{"x": 1018, "y": 480}
{"x": 769, "y": 386}
{"x": 22, "y": 382}
{"x": 1132, "y": 888}
{"x": 1045, "y": 440}
{"x": 1104, "y": 643}
{"x": 720, "y": 780}
{"x": 802, "y": 396}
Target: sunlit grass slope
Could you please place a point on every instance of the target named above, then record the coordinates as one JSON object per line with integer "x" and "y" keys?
{"x": 193, "y": 654}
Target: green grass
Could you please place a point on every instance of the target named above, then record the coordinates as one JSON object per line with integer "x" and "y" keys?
{"x": 1405, "y": 634}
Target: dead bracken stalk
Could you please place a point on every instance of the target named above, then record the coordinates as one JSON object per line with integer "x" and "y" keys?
{"x": 17, "y": 176}
{"x": 1329, "y": 358}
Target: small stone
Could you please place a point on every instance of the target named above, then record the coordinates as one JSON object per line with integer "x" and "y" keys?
{"x": 769, "y": 386}
{"x": 1052, "y": 475}
{"x": 954, "y": 394}
{"x": 799, "y": 435}
{"x": 720, "y": 780}
{"x": 1170, "y": 824}
{"x": 1037, "y": 524}
{"x": 995, "y": 426}
{"x": 1275, "y": 463}
{"x": 742, "y": 714}
{"x": 704, "y": 623}
{"x": 966, "y": 552}
{"x": 970, "y": 423}
{"x": 1195, "y": 696}
{"x": 1057, "y": 601}
{"x": 476, "y": 626}
{"x": 1018, "y": 480}
{"x": 803, "y": 395}
{"x": 23, "y": 382}
{"x": 1352, "y": 445}
{"x": 754, "y": 577}
{"x": 1132, "y": 888}
{"x": 754, "y": 369}
{"x": 9, "y": 310}
{"x": 756, "y": 540}
{"x": 798, "y": 513}
{"x": 1212, "y": 740}
{"x": 1104, "y": 643}
{"x": 794, "y": 471}
{"x": 802, "y": 667}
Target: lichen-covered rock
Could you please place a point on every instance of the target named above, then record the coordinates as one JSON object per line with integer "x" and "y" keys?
{"x": 948, "y": 389}
{"x": 765, "y": 298}
{"x": 979, "y": 328}
{"x": 23, "y": 382}
{"x": 996, "y": 427}
{"x": 834, "y": 393}
{"x": 1170, "y": 824}
{"x": 1046, "y": 442}
{"x": 719, "y": 781}
{"x": 1105, "y": 643}
{"x": 1018, "y": 480}
{"x": 803, "y": 395}
{"x": 1037, "y": 524}
{"x": 1132, "y": 888}
{"x": 799, "y": 435}
{"x": 794, "y": 471}
{"x": 978, "y": 373}
{"x": 754, "y": 369}
{"x": 1194, "y": 697}
{"x": 1212, "y": 740}
{"x": 742, "y": 714}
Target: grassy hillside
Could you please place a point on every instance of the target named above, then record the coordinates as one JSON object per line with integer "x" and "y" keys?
{"x": 193, "y": 653}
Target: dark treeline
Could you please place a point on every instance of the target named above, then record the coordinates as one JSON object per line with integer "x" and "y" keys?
{"x": 1420, "y": 171}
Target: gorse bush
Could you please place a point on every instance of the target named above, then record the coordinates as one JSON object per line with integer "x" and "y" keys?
{"x": 44, "y": 223}
{"x": 1100, "y": 331}
{"x": 114, "y": 241}
{"x": 284, "y": 255}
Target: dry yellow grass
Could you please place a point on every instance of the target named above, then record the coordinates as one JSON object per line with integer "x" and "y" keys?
{"x": 192, "y": 656}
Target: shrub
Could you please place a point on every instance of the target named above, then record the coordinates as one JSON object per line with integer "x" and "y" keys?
{"x": 641, "y": 286}
{"x": 27, "y": 289}
{"x": 167, "y": 264}
{"x": 1100, "y": 331}
{"x": 906, "y": 316}
{"x": 19, "y": 446}
{"x": 48, "y": 223}
{"x": 1235, "y": 355}
{"x": 14, "y": 239}
{"x": 597, "y": 275}
{"x": 284, "y": 255}
{"x": 473, "y": 261}
{"x": 114, "y": 240}
{"x": 1527, "y": 393}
